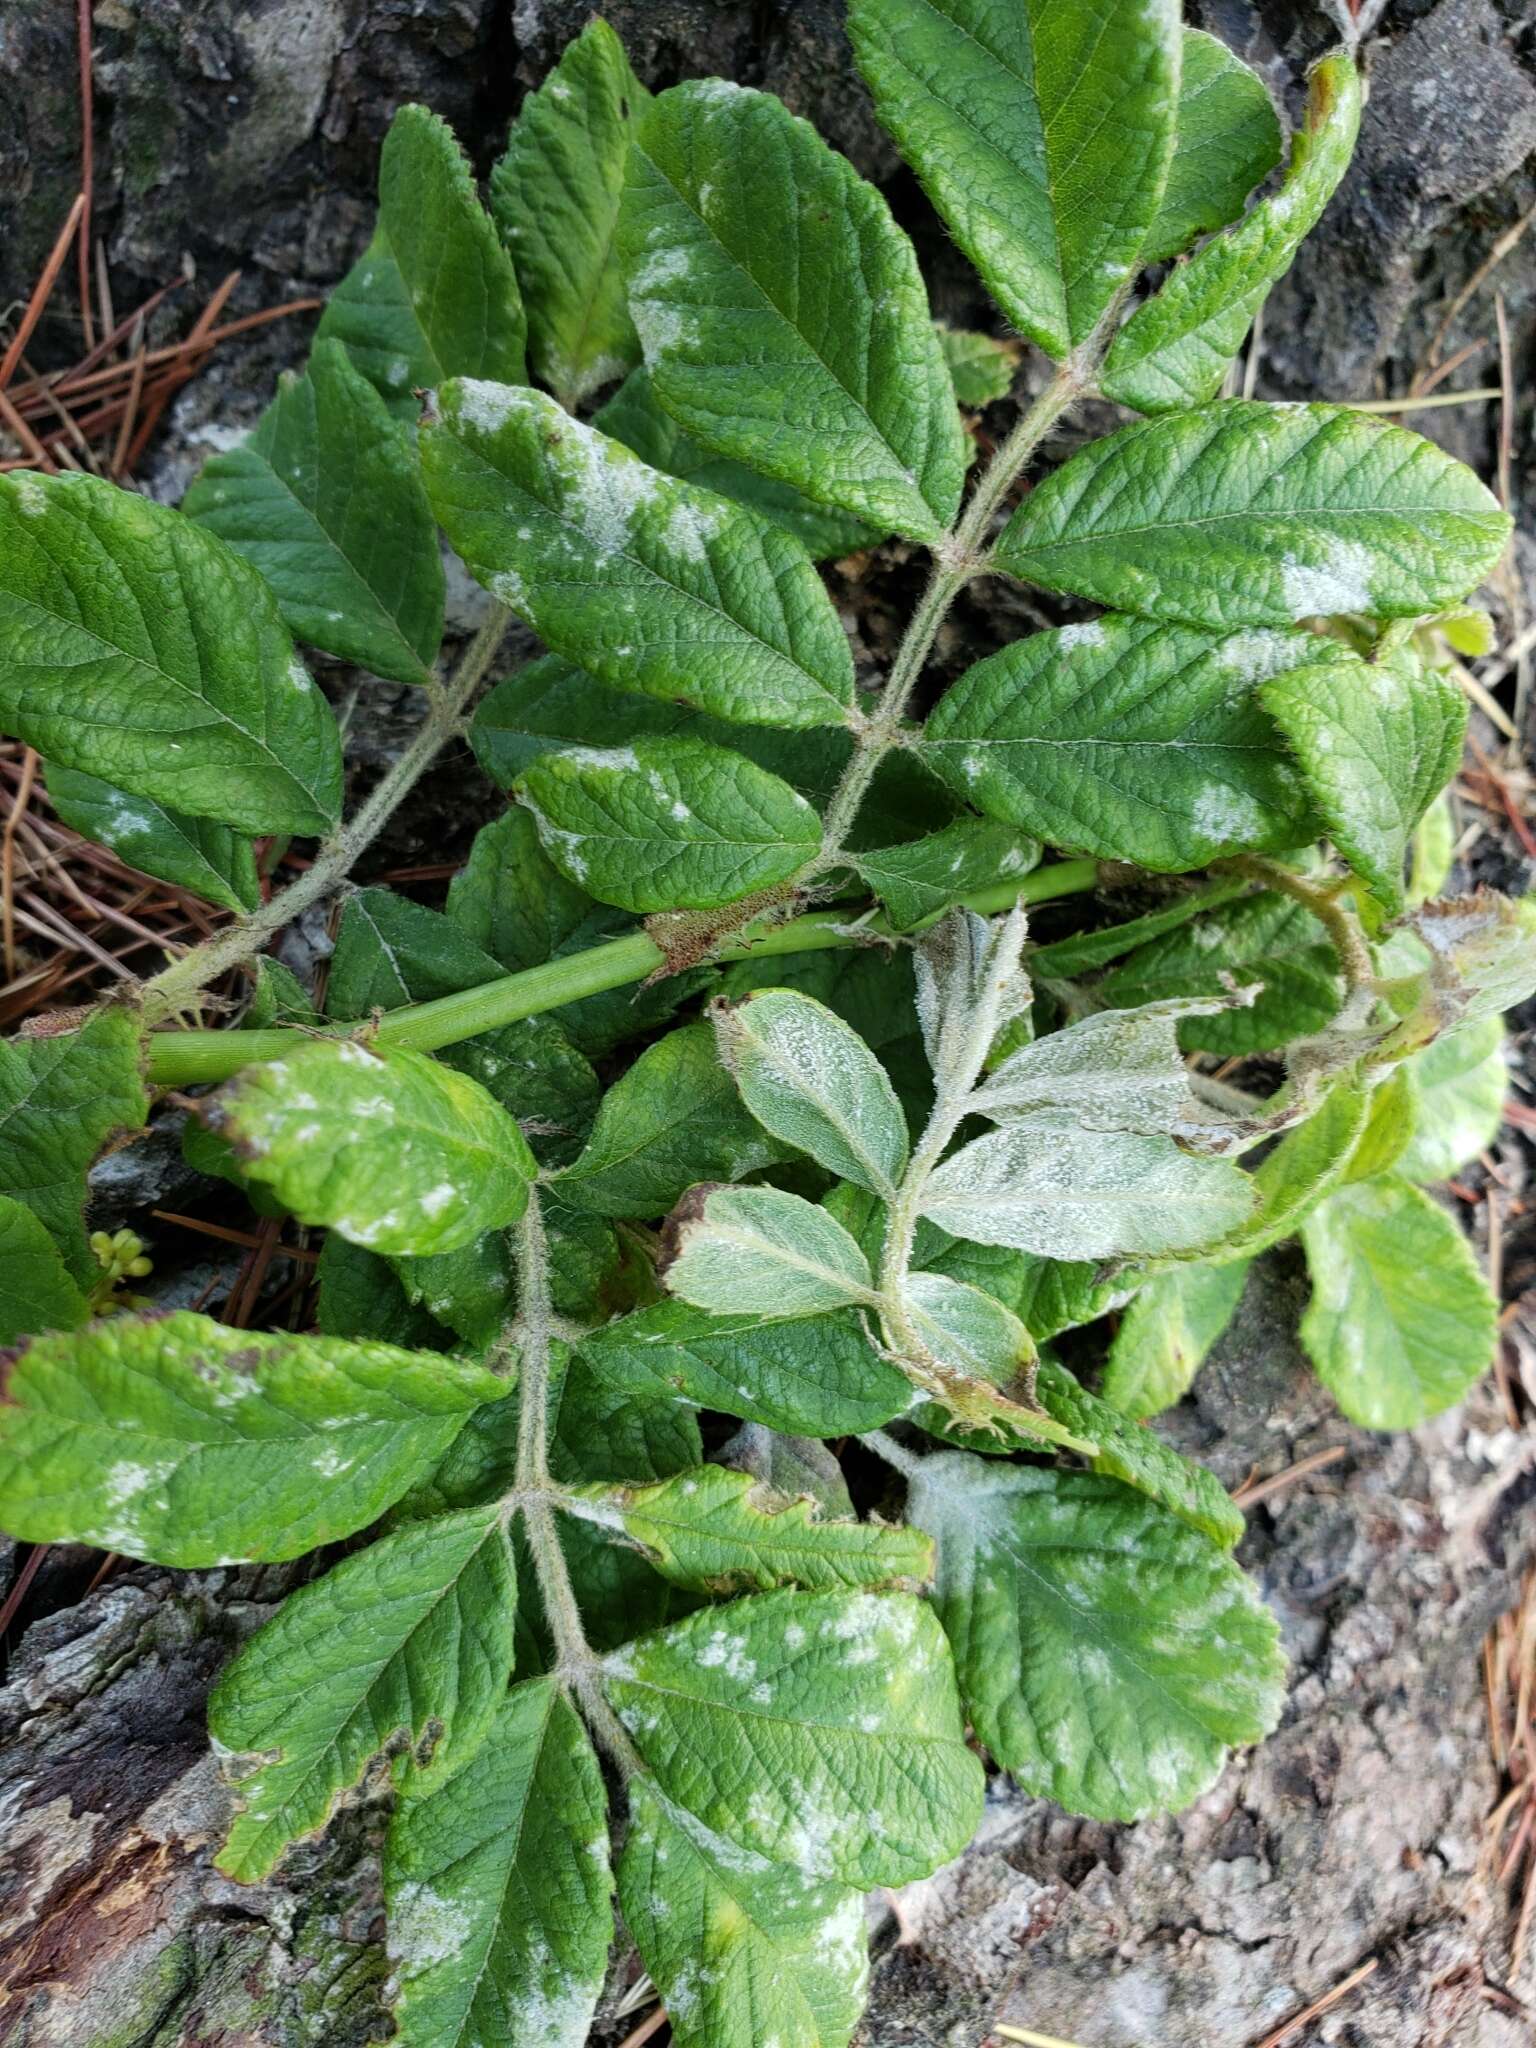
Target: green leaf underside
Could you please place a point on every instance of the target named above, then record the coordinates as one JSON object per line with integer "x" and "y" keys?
{"x": 498, "y": 1887}
{"x": 815, "y": 1376}
{"x": 36, "y": 1290}
{"x": 717, "y": 1531}
{"x": 1066, "y": 1194}
{"x": 634, "y": 417}
{"x": 820, "y": 1730}
{"x": 1041, "y": 133}
{"x": 1268, "y": 939}
{"x": 190, "y": 853}
{"x": 761, "y": 1252}
{"x": 404, "y": 1646}
{"x": 815, "y": 1084}
{"x": 434, "y": 294}
{"x": 325, "y": 502}
{"x": 1377, "y": 742}
{"x": 555, "y": 200}
{"x": 1401, "y": 1323}
{"x": 1462, "y": 1080}
{"x": 1107, "y": 1654}
{"x": 1166, "y": 1333}
{"x": 1306, "y": 1164}
{"x": 1228, "y": 142}
{"x": 1246, "y": 514}
{"x": 651, "y": 584}
{"x": 784, "y": 319}
{"x": 61, "y": 1098}
{"x": 392, "y": 1149}
{"x": 672, "y": 1119}
{"x": 742, "y": 1950}
{"x": 917, "y": 880}
{"x": 668, "y": 824}
{"x": 1130, "y": 740}
{"x": 142, "y": 650}
{"x": 175, "y": 1439}
{"x": 1175, "y": 348}
{"x": 983, "y": 368}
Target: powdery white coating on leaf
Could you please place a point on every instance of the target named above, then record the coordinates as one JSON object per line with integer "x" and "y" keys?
{"x": 1341, "y": 583}
{"x": 1090, "y": 633}
{"x": 487, "y": 407}
{"x": 424, "y": 1927}
{"x": 31, "y": 496}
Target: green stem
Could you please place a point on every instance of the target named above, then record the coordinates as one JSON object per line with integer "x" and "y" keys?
{"x": 1345, "y": 936}
{"x": 957, "y": 558}
{"x": 183, "y": 1059}
{"x": 176, "y": 986}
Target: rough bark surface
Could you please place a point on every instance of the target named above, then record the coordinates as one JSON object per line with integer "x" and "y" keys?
{"x": 245, "y": 133}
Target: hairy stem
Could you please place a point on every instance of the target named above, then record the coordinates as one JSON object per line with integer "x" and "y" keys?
{"x": 957, "y": 558}
{"x": 534, "y": 1494}
{"x": 949, "y": 1110}
{"x": 175, "y": 986}
{"x": 181, "y": 1059}
{"x": 1345, "y": 935}
{"x": 896, "y": 1455}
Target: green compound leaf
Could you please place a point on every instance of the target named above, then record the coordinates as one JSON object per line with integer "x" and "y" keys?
{"x": 982, "y": 367}
{"x": 783, "y": 316}
{"x": 651, "y": 584}
{"x": 816, "y": 1376}
{"x": 1166, "y": 1333}
{"x": 498, "y": 1888}
{"x": 717, "y": 1531}
{"x": 1401, "y": 1323}
{"x": 757, "y": 1251}
{"x": 1136, "y": 1456}
{"x": 742, "y": 1950}
{"x": 670, "y": 824}
{"x": 392, "y": 1150}
{"x": 819, "y": 1730}
{"x": 175, "y": 1439}
{"x": 36, "y": 1290}
{"x": 1130, "y": 740}
{"x": 1068, "y": 1195}
{"x": 61, "y": 1099}
{"x": 1228, "y": 142}
{"x": 1269, "y": 939}
{"x": 1108, "y": 1655}
{"x": 325, "y": 501}
{"x": 672, "y": 1119}
{"x": 434, "y": 294}
{"x": 142, "y": 650}
{"x": 1175, "y": 348}
{"x": 1115, "y": 1070}
{"x": 634, "y": 417}
{"x": 1041, "y": 132}
{"x": 1245, "y": 514}
{"x": 555, "y": 199}
{"x": 404, "y": 1645}
{"x": 1377, "y": 742}
{"x": 1462, "y": 1081}
{"x": 926, "y": 876}
{"x": 190, "y": 853}
{"x": 815, "y": 1084}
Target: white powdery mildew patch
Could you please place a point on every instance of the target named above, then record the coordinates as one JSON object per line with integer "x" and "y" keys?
{"x": 351, "y": 1054}
{"x": 487, "y": 407}
{"x": 605, "y": 487}
{"x": 728, "y": 1651}
{"x": 31, "y": 497}
{"x": 298, "y": 676}
{"x": 1090, "y": 633}
{"x": 425, "y": 1928}
{"x": 556, "y": 2006}
{"x": 330, "y": 1464}
{"x": 436, "y": 1200}
{"x": 1226, "y": 813}
{"x": 1342, "y": 583}
{"x": 1255, "y": 657}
